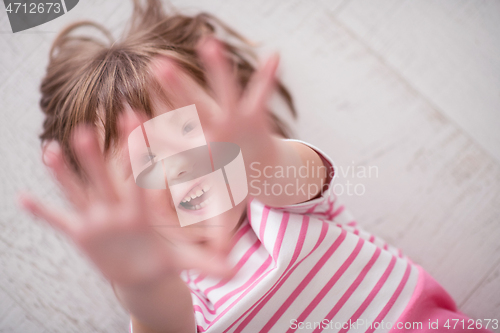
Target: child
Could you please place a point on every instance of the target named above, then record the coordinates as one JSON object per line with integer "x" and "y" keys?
{"x": 289, "y": 258}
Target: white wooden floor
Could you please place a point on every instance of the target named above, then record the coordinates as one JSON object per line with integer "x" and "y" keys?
{"x": 409, "y": 88}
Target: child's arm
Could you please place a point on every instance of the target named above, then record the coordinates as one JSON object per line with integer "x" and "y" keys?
{"x": 111, "y": 223}
{"x": 279, "y": 172}
{"x": 291, "y": 174}
{"x": 162, "y": 306}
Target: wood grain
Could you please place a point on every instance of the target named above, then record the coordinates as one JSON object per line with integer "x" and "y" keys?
{"x": 447, "y": 50}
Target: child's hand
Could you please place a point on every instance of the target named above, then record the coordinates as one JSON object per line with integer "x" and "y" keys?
{"x": 237, "y": 116}
{"x": 111, "y": 221}
{"x": 242, "y": 117}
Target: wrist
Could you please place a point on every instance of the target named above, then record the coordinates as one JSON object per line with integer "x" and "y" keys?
{"x": 164, "y": 305}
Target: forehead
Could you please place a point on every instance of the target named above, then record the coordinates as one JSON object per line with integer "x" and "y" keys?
{"x": 169, "y": 91}
{"x": 170, "y": 122}
{"x": 174, "y": 87}
{"x": 171, "y": 117}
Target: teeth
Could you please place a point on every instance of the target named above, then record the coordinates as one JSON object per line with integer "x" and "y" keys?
{"x": 201, "y": 205}
{"x": 197, "y": 193}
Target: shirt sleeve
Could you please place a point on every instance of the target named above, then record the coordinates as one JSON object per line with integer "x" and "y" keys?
{"x": 326, "y": 205}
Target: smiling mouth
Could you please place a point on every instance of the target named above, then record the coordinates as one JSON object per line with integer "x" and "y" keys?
{"x": 198, "y": 198}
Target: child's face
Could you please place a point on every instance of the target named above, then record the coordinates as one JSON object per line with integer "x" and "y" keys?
{"x": 192, "y": 193}
{"x": 177, "y": 156}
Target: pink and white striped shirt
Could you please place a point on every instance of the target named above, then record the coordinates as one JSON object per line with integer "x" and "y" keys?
{"x": 309, "y": 268}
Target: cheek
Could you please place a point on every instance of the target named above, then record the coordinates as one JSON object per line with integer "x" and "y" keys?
{"x": 238, "y": 212}
{"x": 160, "y": 202}
{"x": 232, "y": 217}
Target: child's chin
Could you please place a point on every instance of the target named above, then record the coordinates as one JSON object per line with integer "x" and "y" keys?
{"x": 199, "y": 216}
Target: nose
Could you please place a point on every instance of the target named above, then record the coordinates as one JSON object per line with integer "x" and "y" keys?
{"x": 178, "y": 168}
{"x": 188, "y": 165}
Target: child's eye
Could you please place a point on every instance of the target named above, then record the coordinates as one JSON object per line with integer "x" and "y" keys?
{"x": 189, "y": 127}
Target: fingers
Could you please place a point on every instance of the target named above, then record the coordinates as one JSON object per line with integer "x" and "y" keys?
{"x": 182, "y": 90}
{"x": 220, "y": 78}
{"x": 133, "y": 194}
{"x": 173, "y": 81}
{"x": 72, "y": 186}
{"x": 219, "y": 237}
{"x": 260, "y": 88}
{"x": 91, "y": 158}
{"x": 192, "y": 256}
{"x": 55, "y": 218}
{"x": 127, "y": 122}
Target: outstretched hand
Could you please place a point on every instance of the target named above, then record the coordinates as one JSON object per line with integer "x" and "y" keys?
{"x": 111, "y": 220}
{"x": 234, "y": 115}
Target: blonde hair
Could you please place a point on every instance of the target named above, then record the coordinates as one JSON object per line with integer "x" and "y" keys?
{"x": 88, "y": 79}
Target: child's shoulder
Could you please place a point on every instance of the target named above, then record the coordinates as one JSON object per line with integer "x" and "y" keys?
{"x": 326, "y": 208}
{"x": 324, "y": 202}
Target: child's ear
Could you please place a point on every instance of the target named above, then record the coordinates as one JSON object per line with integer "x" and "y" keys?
{"x": 50, "y": 148}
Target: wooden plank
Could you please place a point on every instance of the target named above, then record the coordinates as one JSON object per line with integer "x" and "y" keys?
{"x": 58, "y": 287}
{"x": 448, "y": 50}
{"x": 482, "y": 294}
{"x": 13, "y": 318}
